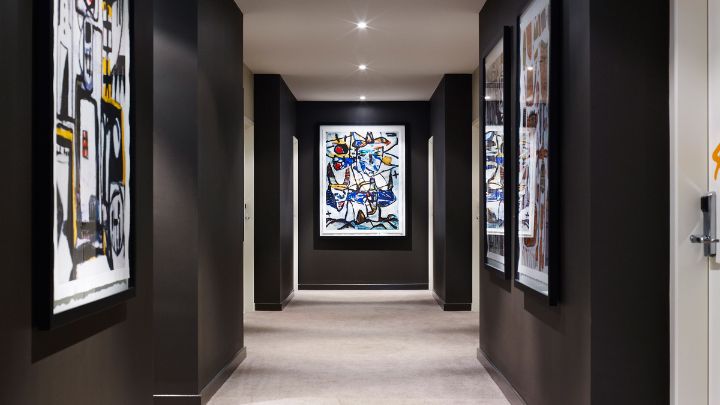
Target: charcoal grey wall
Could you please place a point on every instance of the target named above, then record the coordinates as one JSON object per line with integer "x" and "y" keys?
{"x": 451, "y": 120}
{"x": 198, "y": 196}
{"x": 176, "y": 194}
{"x": 104, "y": 358}
{"x": 221, "y": 123}
{"x": 543, "y": 351}
{"x": 374, "y": 262}
{"x": 607, "y": 341}
{"x": 275, "y": 109}
{"x": 629, "y": 56}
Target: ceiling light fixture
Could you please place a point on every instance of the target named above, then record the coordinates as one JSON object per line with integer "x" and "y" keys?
{"x": 362, "y": 25}
{"x": 362, "y": 98}
{"x": 362, "y": 67}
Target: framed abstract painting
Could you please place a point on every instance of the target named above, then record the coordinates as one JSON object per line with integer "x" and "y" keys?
{"x": 362, "y": 181}
{"x": 497, "y": 127}
{"x": 537, "y": 150}
{"x": 83, "y": 158}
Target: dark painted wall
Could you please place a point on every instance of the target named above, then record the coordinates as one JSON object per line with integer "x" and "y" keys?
{"x": 437, "y": 124}
{"x": 105, "y": 358}
{"x": 288, "y": 121}
{"x": 630, "y": 289}
{"x": 607, "y": 341}
{"x": 543, "y": 351}
{"x": 221, "y": 123}
{"x": 176, "y": 194}
{"x": 198, "y": 192}
{"x": 364, "y": 261}
{"x": 451, "y": 112}
{"x": 275, "y": 109}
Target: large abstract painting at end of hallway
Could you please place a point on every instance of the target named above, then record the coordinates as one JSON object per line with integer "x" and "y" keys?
{"x": 362, "y": 180}
{"x": 533, "y": 146}
{"x": 91, "y": 154}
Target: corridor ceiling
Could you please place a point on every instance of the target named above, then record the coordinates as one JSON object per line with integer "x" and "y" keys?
{"x": 317, "y": 47}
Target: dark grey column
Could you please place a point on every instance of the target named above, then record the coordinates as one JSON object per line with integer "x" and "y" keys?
{"x": 451, "y": 126}
{"x": 198, "y": 193}
{"x": 275, "y": 108}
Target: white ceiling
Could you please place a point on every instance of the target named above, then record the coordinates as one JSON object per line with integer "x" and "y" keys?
{"x": 316, "y": 47}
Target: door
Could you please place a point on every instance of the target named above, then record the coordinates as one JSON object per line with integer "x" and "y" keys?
{"x": 431, "y": 214}
{"x": 476, "y": 226}
{"x": 295, "y": 214}
{"x": 694, "y": 277}
{"x": 249, "y": 229}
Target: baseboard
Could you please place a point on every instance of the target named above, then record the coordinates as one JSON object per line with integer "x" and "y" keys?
{"x": 451, "y": 306}
{"x": 275, "y": 306}
{"x": 406, "y": 286}
{"x": 214, "y": 385}
{"x": 176, "y": 400}
{"x": 507, "y": 389}
{"x": 210, "y": 389}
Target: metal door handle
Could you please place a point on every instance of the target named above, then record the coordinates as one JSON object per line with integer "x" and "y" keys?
{"x": 709, "y": 238}
{"x": 703, "y": 239}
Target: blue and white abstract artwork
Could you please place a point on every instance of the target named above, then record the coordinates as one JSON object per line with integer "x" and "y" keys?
{"x": 362, "y": 180}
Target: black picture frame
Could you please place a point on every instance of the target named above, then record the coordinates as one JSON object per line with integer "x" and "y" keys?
{"x": 364, "y": 242}
{"x": 504, "y": 270}
{"x": 42, "y": 177}
{"x": 554, "y": 20}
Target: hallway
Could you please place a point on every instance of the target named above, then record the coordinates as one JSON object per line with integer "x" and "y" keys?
{"x": 361, "y": 347}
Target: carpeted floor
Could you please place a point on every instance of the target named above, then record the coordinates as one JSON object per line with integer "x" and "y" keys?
{"x": 361, "y": 347}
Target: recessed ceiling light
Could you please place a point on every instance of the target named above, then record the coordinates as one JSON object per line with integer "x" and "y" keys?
{"x": 362, "y": 67}
{"x": 488, "y": 98}
{"x": 362, "y": 25}
{"x": 362, "y": 98}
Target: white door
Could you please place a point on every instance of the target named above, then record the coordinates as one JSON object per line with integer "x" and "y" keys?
{"x": 695, "y": 134}
{"x": 431, "y": 214}
{"x": 295, "y": 214}
{"x": 249, "y": 240}
{"x": 476, "y": 228}
{"x": 713, "y": 158}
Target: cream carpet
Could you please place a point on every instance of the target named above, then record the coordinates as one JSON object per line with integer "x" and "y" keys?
{"x": 361, "y": 347}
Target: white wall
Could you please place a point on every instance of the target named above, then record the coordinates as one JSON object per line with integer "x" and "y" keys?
{"x": 248, "y": 93}
{"x": 476, "y": 95}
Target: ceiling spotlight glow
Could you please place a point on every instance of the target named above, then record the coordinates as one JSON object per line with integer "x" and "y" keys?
{"x": 362, "y": 98}
{"x": 362, "y": 25}
{"x": 530, "y": 68}
{"x": 362, "y": 67}
{"x": 488, "y": 98}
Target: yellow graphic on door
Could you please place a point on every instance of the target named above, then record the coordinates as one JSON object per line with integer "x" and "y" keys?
{"x": 716, "y": 159}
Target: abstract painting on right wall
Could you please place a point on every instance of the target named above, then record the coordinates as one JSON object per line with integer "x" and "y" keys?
{"x": 533, "y": 148}
{"x": 496, "y": 96}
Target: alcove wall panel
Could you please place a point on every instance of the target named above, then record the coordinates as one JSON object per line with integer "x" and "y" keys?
{"x": 363, "y": 262}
